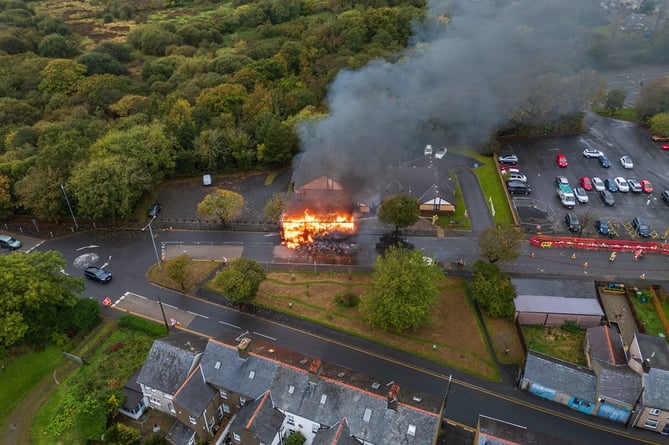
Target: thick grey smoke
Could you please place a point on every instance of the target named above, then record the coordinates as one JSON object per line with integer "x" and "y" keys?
{"x": 457, "y": 84}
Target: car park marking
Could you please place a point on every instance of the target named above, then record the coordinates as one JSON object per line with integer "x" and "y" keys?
{"x": 92, "y": 246}
{"x": 229, "y": 324}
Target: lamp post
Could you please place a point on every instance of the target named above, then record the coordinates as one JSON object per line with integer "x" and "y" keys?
{"x": 62, "y": 187}
{"x": 153, "y": 240}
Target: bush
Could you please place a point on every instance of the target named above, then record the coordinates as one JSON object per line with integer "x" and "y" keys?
{"x": 140, "y": 324}
{"x": 347, "y": 299}
{"x": 570, "y": 326}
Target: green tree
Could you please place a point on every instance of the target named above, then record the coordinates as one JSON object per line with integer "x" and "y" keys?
{"x": 221, "y": 204}
{"x": 55, "y": 46}
{"x": 6, "y": 202}
{"x": 659, "y": 124}
{"x": 492, "y": 289}
{"x": 212, "y": 148}
{"x": 120, "y": 434}
{"x": 240, "y": 280}
{"x": 274, "y": 207}
{"x": 39, "y": 192}
{"x": 400, "y": 210}
{"x": 179, "y": 270}
{"x": 97, "y": 62}
{"x": 653, "y": 98}
{"x": 294, "y": 438}
{"x": 501, "y": 243}
{"x": 279, "y": 146}
{"x": 615, "y": 100}
{"x": 403, "y": 291}
{"x": 61, "y": 76}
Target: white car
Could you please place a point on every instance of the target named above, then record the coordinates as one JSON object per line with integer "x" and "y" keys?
{"x": 626, "y": 162}
{"x": 428, "y": 150}
{"x": 581, "y": 196}
{"x": 441, "y": 153}
{"x": 622, "y": 184}
{"x": 598, "y": 184}
{"x": 515, "y": 177}
{"x": 592, "y": 153}
{"x": 206, "y": 180}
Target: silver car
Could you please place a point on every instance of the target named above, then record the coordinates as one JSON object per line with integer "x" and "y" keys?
{"x": 7, "y": 242}
{"x": 592, "y": 153}
{"x": 626, "y": 162}
{"x": 622, "y": 184}
{"x": 598, "y": 184}
{"x": 581, "y": 196}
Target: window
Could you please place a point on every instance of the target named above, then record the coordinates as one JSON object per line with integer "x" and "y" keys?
{"x": 654, "y": 412}
{"x": 217, "y": 365}
{"x": 436, "y": 207}
{"x": 193, "y": 420}
{"x": 224, "y": 395}
{"x": 290, "y": 420}
{"x": 220, "y": 412}
{"x": 191, "y": 441}
{"x": 154, "y": 401}
{"x": 651, "y": 423}
{"x": 252, "y": 374}
{"x": 211, "y": 422}
{"x": 236, "y": 437}
{"x": 242, "y": 401}
{"x": 291, "y": 389}
{"x": 323, "y": 399}
{"x": 226, "y": 408}
{"x": 315, "y": 427}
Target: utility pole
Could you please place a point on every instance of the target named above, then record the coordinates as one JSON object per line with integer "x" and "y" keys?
{"x": 160, "y": 303}
{"x": 62, "y": 187}
{"x": 153, "y": 240}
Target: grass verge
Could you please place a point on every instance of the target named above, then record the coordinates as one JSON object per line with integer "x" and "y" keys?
{"x": 198, "y": 271}
{"x": 648, "y": 315}
{"x": 556, "y": 342}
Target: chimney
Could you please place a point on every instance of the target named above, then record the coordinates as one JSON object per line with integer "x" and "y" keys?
{"x": 315, "y": 370}
{"x": 392, "y": 397}
{"x": 243, "y": 348}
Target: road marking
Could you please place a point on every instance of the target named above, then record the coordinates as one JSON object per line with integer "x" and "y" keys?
{"x": 459, "y": 425}
{"x": 228, "y": 324}
{"x": 92, "y": 246}
{"x": 169, "y": 305}
{"x": 263, "y": 335}
{"x": 198, "y": 315}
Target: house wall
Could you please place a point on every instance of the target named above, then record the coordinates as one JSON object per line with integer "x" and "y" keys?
{"x": 634, "y": 354}
{"x": 293, "y": 422}
{"x": 444, "y": 209}
{"x": 545, "y": 319}
{"x": 159, "y": 400}
{"x": 657, "y": 421}
{"x": 210, "y": 414}
{"x": 243, "y": 436}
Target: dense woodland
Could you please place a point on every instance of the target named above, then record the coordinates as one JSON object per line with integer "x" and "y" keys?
{"x": 187, "y": 87}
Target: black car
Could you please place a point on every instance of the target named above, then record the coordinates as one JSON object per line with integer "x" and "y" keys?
{"x": 610, "y": 185}
{"x": 572, "y": 222}
{"x": 642, "y": 229}
{"x": 602, "y": 226}
{"x": 155, "y": 209}
{"x": 665, "y": 196}
{"x": 607, "y": 198}
{"x": 98, "y": 274}
{"x": 604, "y": 162}
{"x": 518, "y": 188}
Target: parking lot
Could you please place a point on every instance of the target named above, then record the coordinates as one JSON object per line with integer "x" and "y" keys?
{"x": 542, "y": 210}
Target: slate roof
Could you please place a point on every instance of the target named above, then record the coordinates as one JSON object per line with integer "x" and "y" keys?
{"x": 558, "y": 288}
{"x": 179, "y": 434}
{"x": 195, "y": 394}
{"x": 339, "y": 434}
{"x": 259, "y": 417}
{"x": 170, "y": 360}
{"x": 606, "y": 345}
{"x": 133, "y": 393}
{"x": 557, "y": 305}
{"x": 497, "y": 432}
{"x": 560, "y": 375}
{"x": 654, "y": 348}
{"x": 422, "y": 183}
{"x": 619, "y": 383}
{"x": 656, "y": 394}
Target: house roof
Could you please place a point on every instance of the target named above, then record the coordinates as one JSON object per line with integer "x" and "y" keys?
{"x": 259, "y": 417}
{"x": 339, "y": 434}
{"x": 195, "y": 394}
{"x": 494, "y": 431}
{"x": 557, "y": 305}
{"x": 654, "y": 349}
{"x": 179, "y": 434}
{"x": 133, "y": 393}
{"x": 606, "y": 345}
{"x": 618, "y": 383}
{"x": 655, "y": 394}
{"x": 170, "y": 360}
{"x": 560, "y": 375}
{"x": 558, "y": 288}
{"x": 422, "y": 183}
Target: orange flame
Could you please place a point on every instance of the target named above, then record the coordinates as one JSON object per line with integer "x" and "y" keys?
{"x": 299, "y": 229}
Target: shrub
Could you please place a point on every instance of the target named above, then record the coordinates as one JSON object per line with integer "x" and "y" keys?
{"x": 570, "y": 326}
{"x": 347, "y": 299}
{"x": 140, "y": 324}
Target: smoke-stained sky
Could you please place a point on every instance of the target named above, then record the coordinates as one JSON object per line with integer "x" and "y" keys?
{"x": 456, "y": 84}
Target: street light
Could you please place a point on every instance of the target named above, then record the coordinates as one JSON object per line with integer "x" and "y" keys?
{"x": 153, "y": 240}
{"x": 62, "y": 187}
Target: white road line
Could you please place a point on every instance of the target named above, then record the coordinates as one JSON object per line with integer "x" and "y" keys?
{"x": 92, "y": 246}
{"x": 169, "y": 305}
{"x": 198, "y": 315}
{"x": 228, "y": 324}
{"x": 263, "y": 335}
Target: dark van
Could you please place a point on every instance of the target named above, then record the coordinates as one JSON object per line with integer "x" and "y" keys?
{"x": 518, "y": 188}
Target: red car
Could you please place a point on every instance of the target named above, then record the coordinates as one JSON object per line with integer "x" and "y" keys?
{"x": 585, "y": 183}
{"x": 665, "y": 146}
{"x": 561, "y": 160}
{"x": 646, "y": 186}
{"x": 510, "y": 167}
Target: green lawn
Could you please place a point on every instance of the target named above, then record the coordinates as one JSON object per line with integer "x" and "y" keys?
{"x": 556, "y": 342}
{"x": 21, "y": 373}
{"x": 648, "y": 315}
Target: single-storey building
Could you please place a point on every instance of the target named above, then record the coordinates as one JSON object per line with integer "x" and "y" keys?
{"x": 555, "y": 311}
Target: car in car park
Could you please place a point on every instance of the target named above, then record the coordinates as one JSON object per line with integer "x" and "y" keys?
{"x": 572, "y": 222}
{"x": 509, "y": 176}
{"x": 664, "y": 146}
{"x": 626, "y": 162}
{"x": 561, "y": 160}
{"x": 98, "y": 274}
{"x": 646, "y": 186}
{"x": 580, "y": 195}
{"x": 518, "y": 188}
{"x": 604, "y": 162}
{"x": 641, "y": 227}
{"x": 607, "y": 198}
{"x": 658, "y": 138}
{"x": 9, "y": 242}
{"x": 427, "y": 151}
{"x": 441, "y": 153}
{"x": 585, "y": 183}
{"x": 206, "y": 180}
{"x": 622, "y": 184}
{"x": 592, "y": 153}
{"x": 508, "y": 159}
{"x": 561, "y": 180}
{"x": 598, "y": 184}
{"x": 610, "y": 185}
{"x": 602, "y": 227}
{"x": 155, "y": 209}
{"x": 635, "y": 186}
{"x": 665, "y": 196}
{"x": 509, "y": 167}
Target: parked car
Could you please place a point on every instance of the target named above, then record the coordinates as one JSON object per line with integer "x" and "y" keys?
{"x": 561, "y": 180}
{"x": 508, "y": 159}
{"x": 441, "y": 153}
{"x": 635, "y": 186}
{"x": 206, "y": 180}
{"x": 641, "y": 227}
{"x": 661, "y": 138}
{"x": 592, "y": 153}
{"x": 611, "y": 185}
{"x": 585, "y": 183}
{"x": 626, "y": 162}
{"x": 561, "y": 160}
{"x": 602, "y": 227}
{"x": 664, "y": 146}
{"x": 572, "y": 222}
{"x": 598, "y": 184}
{"x": 98, "y": 274}
{"x": 665, "y": 196}
{"x": 427, "y": 151}
{"x": 515, "y": 177}
{"x": 581, "y": 196}
{"x": 604, "y": 162}
{"x": 154, "y": 210}
{"x": 646, "y": 186}
{"x": 518, "y": 188}
{"x": 8, "y": 242}
{"x": 622, "y": 184}
{"x": 607, "y": 198}
{"x": 509, "y": 167}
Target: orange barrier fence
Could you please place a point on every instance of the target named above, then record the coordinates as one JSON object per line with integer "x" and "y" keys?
{"x": 545, "y": 241}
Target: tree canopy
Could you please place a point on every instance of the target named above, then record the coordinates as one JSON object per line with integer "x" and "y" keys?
{"x": 492, "y": 289}
{"x": 240, "y": 279}
{"x": 403, "y": 290}
{"x": 501, "y": 243}
{"x": 400, "y": 210}
{"x": 221, "y": 204}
